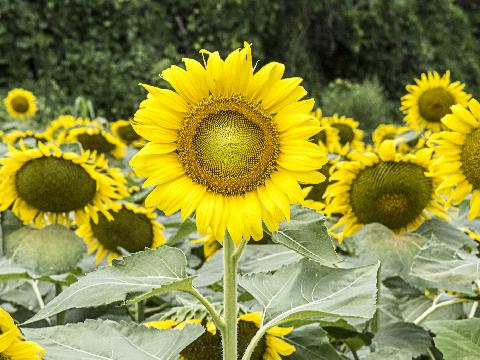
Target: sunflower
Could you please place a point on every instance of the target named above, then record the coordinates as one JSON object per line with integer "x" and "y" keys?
{"x": 327, "y": 138}
{"x": 314, "y": 193}
{"x": 209, "y": 345}
{"x": 349, "y": 133}
{"x": 12, "y": 344}
{"x": 123, "y": 129}
{"x": 387, "y": 132}
{"x": 44, "y": 184}
{"x": 118, "y": 179}
{"x": 388, "y": 188}
{"x": 57, "y": 127}
{"x": 131, "y": 227}
{"x": 210, "y": 245}
{"x": 21, "y": 104}
{"x": 228, "y": 144}
{"x": 430, "y": 100}
{"x": 14, "y": 137}
{"x": 458, "y": 155}
{"x": 96, "y": 139}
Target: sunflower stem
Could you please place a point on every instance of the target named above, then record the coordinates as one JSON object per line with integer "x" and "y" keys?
{"x": 140, "y": 311}
{"x": 219, "y": 323}
{"x": 253, "y": 343}
{"x": 229, "y": 333}
{"x": 435, "y": 307}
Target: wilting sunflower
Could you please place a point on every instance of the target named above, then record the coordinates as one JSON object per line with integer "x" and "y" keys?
{"x": 349, "y": 133}
{"x": 458, "y": 156}
{"x": 209, "y": 345}
{"x": 228, "y": 144}
{"x": 130, "y": 227}
{"x": 21, "y": 104}
{"x": 314, "y": 193}
{"x": 389, "y": 188}
{"x": 430, "y": 100}
{"x": 96, "y": 139}
{"x": 12, "y": 344}
{"x": 124, "y": 130}
{"x": 45, "y": 185}
{"x": 14, "y": 137}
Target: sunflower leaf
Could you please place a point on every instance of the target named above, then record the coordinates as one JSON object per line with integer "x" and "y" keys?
{"x": 311, "y": 342}
{"x": 390, "y": 353}
{"x": 307, "y": 234}
{"x": 138, "y": 276}
{"x": 308, "y": 289}
{"x": 445, "y": 233}
{"x": 105, "y": 339}
{"x": 457, "y": 339}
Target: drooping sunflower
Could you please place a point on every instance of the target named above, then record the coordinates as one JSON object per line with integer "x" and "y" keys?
{"x": 388, "y": 188}
{"x": 96, "y": 139}
{"x": 21, "y": 104}
{"x": 124, "y": 130}
{"x": 45, "y": 185}
{"x": 209, "y": 345}
{"x": 349, "y": 133}
{"x": 430, "y": 99}
{"x": 458, "y": 156}
{"x": 130, "y": 227}
{"x": 12, "y": 343}
{"x": 14, "y": 137}
{"x": 228, "y": 144}
{"x": 314, "y": 193}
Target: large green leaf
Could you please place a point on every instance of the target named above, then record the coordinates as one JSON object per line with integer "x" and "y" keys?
{"x": 142, "y": 274}
{"x": 105, "y": 339}
{"x": 447, "y": 268}
{"x": 390, "y": 353}
{"x": 403, "y": 335}
{"x": 412, "y": 308}
{"x": 308, "y": 289}
{"x": 307, "y": 234}
{"x": 446, "y": 234}
{"x": 457, "y": 339}
{"x": 311, "y": 342}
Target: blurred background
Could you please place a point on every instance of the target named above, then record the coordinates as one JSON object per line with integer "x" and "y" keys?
{"x": 355, "y": 55}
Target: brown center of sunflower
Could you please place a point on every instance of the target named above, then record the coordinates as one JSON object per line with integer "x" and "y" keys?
{"x": 345, "y": 132}
{"x": 390, "y": 193}
{"x": 20, "y": 104}
{"x": 435, "y": 104}
{"x": 4, "y": 357}
{"x": 318, "y": 190}
{"x": 470, "y": 158}
{"x": 127, "y": 133}
{"x": 128, "y": 230}
{"x": 54, "y": 185}
{"x": 321, "y": 136}
{"x": 228, "y": 145}
{"x": 95, "y": 142}
{"x": 209, "y": 346}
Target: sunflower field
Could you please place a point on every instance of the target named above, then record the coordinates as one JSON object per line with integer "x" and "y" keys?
{"x": 258, "y": 196}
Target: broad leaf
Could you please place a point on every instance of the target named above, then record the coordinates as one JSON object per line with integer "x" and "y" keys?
{"x": 185, "y": 229}
{"x": 445, "y": 233}
{"x": 311, "y": 342}
{"x": 308, "y": 289}
{"x": 146, "y": 273}
{"x": 411, "y": 309}
{"x": 390, "y": 353}
{"x": 307, "y": 234}
{"x": 105, "y": 339}
{"x": 457, "y": 339}
{"x": 404, "y": 336}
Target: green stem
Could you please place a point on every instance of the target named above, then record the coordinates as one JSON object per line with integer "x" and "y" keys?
{"x": 375, "y": 322}
{"x": 434, "y": 308}
{"x": 253, "y": 343}
{"x": 60, "y": 315}
{"x": 140, "y": 311}
{"x": 211, "y": 310}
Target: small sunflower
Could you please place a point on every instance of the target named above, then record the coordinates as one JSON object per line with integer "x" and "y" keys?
{"x": 227, "y": 143}
{"x": 12, "y": 344}
{"x": 209, "y": 345}
{"x": 96, "y": 139}
{"x": 458, "y": 155}
{"x": 21, "y": 104}
{"x": 57, "y": 127}
{"x": 14, "y": 137}
{"x": 430, "y": 99}
{"x": 389, "y": 188}
{"x": 210, "y": 245}
{"x": 45, "y": 185}
{"x": 327, "y": 138}
{"x": 130, "y": 227}
{"x": 119, "y": 180}
{"x": 124, "y": 130}
{"x": 387, "y": 132}
{"x": 314, "y": 193}
{"x": 349, "y": 133}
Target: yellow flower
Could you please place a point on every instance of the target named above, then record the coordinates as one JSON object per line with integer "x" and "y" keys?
{"x": 314, "y": 193}
{"x": 349, "y": 133}
{"x": 21, "y": 104}
{"x": 123, "y": 129}
{"x": 457, "y": 156}
{"x": 14, "y": 137}
{"x": 210, "y": 245}
{"x": 228, "y": 144}
{"x": 56, "y": 128}
{"x": 130, "y": 227}
{"x": 96, "y": 139}
{"x": 209, "y": 345}
{"x": 327, "y": 138}
{"x": 430, "y": 99}
{"x": 12, "y": 344}
{"x": 387, "y": 132}
{"x": 45, "y": 185}
{"x": 388, "y": 188}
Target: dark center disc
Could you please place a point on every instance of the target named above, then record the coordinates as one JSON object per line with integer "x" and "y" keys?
{"x": 345, "y": 133}
{"x": 127, "y": 134}
{"x": 435, "y": 104}
{"x": 321, "y": 136}
{"x": 95, "y": 142}
{"x": 20, "y": 104}
{"x": 318, "y": 190}
{"x": 470, "y": 158}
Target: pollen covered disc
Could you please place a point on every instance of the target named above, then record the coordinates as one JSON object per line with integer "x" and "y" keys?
{"x": 390, "y": 193}
{"x": 470, "y": 158}
{"x": 435, "y": 104}
{"x": 54, "y": 185}
{"x": 228, "y": 145}
{"x": 20, "y": 104}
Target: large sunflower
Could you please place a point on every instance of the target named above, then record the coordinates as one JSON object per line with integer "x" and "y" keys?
{"x": 228, "y": 144}
{"x": 44, "y": 184}
{"x": 349, "y": 133}
{"x": 458, "y": 155}
{"x": 131, "y": 227}
{"x": 209, "y": 345}
{"x": 388, "y": 188}
{"x": 21, "y": 104}
{"x": 124, "y": 130}
{"x": 95, "y": 139}
{"x": 12, "y": 344}
{"x": 430, "y": 99}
